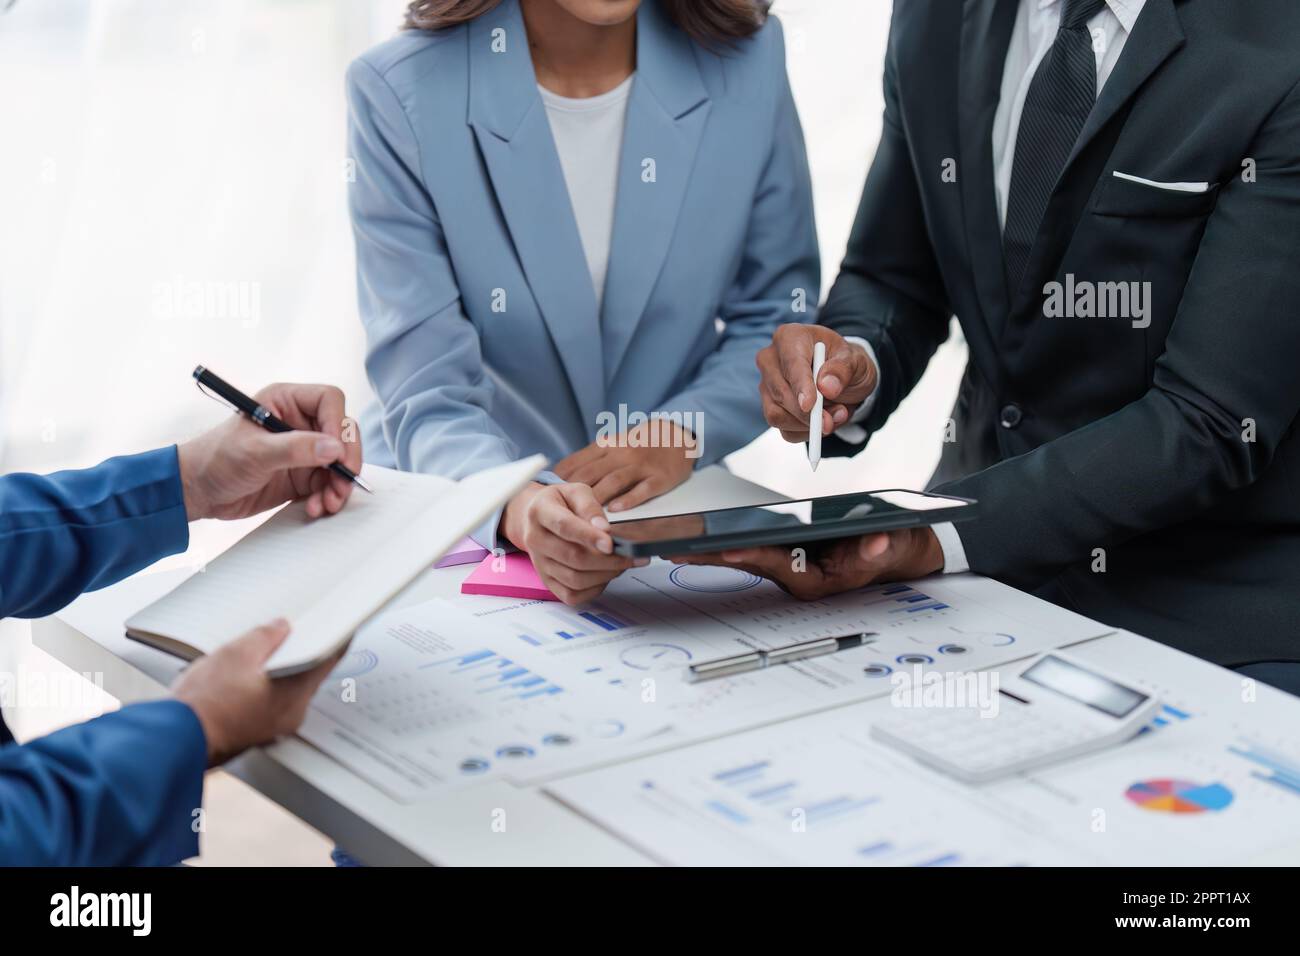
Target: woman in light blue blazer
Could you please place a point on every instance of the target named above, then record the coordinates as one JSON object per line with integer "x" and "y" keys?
{"x": 577, "y": 222}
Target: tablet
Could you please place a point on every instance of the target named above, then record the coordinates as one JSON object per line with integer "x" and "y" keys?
{"x": 787, "y": 522}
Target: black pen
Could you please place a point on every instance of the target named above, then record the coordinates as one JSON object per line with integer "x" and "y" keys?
{"x": 260, "y": 415}
{"x": 758, "y": 660}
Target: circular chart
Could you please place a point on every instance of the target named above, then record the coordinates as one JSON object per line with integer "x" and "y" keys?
{"x": 515, "y": 751}
{"x": 704, "y": 577}
{"x": 1179, "y": 796}
{"x": 607, "y": 728}
{"x": 356, "y": 663}
{"x": 653, "y": 657}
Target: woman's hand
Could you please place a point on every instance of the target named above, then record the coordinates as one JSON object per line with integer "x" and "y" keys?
{"x": 624, "y": 473}
{"x": 564, "y": 531}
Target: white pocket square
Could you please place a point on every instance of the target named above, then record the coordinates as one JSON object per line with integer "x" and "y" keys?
{"x": 1168, "y": 187}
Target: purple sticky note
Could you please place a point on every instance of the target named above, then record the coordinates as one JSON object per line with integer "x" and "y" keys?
{"x": 464, "y": 551}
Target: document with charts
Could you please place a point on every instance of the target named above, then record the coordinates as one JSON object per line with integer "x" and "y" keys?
{"x": 428, "y": 698}
{"x": 651, "y": 622}
{"x": 1190, "y": 789}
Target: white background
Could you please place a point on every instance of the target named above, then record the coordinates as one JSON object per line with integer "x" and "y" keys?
{"x": 151, "y": 144}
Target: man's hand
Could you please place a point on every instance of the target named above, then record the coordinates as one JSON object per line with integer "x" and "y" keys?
{"x": 239, "y": 469}
{"x": 847, "y": 377}
{"x": 843, "y": 565}
{"x": 564, "y": 531}
{"x": 624, "y": 475}
{"x": 237, "y": 704}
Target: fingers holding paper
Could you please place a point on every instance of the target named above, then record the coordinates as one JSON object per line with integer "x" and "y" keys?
{"x": 237, "y": 469}
{"x": 237, "y": 703}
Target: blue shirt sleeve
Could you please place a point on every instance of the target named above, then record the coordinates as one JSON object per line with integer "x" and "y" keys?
{"x": 124, "y": 789}
{"x": 76, "y": 531}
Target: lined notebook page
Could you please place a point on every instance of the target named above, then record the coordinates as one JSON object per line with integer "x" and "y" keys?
{"x": 329, "y": 574}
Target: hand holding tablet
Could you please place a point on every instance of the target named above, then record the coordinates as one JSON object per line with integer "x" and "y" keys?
{"x": 787, "y": 522}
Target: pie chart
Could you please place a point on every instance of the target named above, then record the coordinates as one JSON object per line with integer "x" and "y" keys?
{"x": 1179, "y": 796}
{"x": 705, "y": 577}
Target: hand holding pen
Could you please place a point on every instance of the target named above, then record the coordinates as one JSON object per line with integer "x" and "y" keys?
{"x": 233, "y": 470}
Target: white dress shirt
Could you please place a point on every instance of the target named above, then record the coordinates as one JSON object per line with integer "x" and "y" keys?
{"x": 1037, "y": 22}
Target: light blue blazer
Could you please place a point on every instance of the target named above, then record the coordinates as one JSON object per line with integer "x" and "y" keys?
{"x": 484, "y": 342}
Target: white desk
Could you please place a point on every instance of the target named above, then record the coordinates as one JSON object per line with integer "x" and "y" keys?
{"x": 459, "y": 828}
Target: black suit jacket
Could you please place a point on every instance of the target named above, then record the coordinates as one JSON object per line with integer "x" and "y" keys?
{"x": 1171, "y": 448}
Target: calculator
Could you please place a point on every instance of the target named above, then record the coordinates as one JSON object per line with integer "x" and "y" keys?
{"x": 1056, "y": 708}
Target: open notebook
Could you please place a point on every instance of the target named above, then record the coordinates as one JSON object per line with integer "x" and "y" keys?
{"x": 329, "y": 575}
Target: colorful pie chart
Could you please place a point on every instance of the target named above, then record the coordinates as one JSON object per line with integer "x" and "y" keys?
{"x": 1179, "y": 796}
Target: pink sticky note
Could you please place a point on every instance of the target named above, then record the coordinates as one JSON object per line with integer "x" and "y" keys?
{"x": 465, "y": 551}
{"x": 513, "y": 576}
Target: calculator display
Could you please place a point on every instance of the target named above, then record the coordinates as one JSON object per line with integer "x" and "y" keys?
{"x": 1088, "y": 688}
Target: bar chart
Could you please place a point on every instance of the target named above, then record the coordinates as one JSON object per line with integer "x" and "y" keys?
{"x": 1272, "y": 766}
{"x": 570, "y": 624}
{"x": 498, "y": 676}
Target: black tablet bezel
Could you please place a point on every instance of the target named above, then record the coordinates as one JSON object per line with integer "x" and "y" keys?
{"x": 795, "y": 535}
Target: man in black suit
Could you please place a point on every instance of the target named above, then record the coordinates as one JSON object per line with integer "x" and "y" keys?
{"x": 1106, "y": 193}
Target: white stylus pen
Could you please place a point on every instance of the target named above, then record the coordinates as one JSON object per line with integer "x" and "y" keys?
{"x": 815, "y": 418}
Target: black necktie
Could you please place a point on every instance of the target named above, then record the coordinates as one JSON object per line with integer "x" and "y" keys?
{"x": 1060, "y": 97}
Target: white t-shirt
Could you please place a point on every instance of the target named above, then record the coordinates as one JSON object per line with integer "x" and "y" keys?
{"x": 589, "y": 138}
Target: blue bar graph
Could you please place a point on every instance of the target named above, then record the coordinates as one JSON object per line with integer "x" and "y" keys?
{"x": 1168, "y": 715}
{"x": 767, "y": 794}
{"x": 1279, "y": 769}
{"x": 731, "y": 813}
{"x": 910, "y": 600}
{"x": 835, "y": 807}
{"x": 739, "y": 774}
{"x": 564, "y": 624}
{"x": 497, "y": 675}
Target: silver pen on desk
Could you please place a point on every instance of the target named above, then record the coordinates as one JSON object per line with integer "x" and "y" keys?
{"x": 760, "y": 659}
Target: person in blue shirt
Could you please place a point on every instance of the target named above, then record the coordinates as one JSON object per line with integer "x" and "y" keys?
{"x": 123, "y": 789}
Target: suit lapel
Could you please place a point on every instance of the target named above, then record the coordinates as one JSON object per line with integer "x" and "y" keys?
{"x": 985, "y": 38}
{"x": 514, "y": 138}
{"x": 666, "y": 115}
{"x": 1156, "y": 36}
